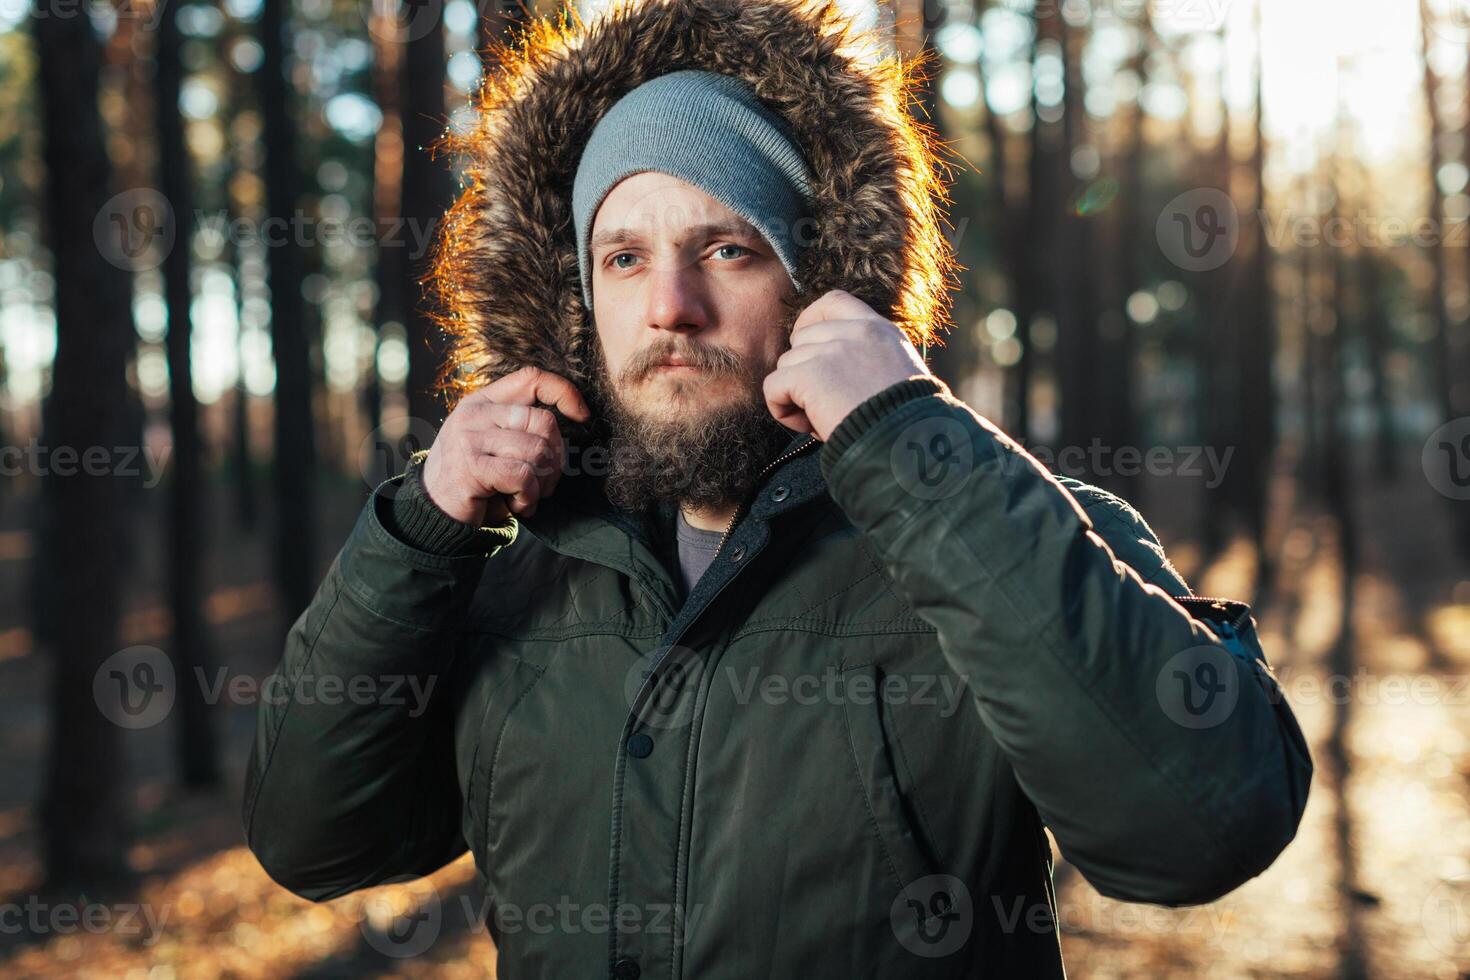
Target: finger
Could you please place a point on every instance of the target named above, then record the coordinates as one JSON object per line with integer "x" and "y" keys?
{"x": 836, "y": 304}
{"x": 806, "y": 352}
{"x": 539, "y": 422}
{"x": 777, "y": 389}
{"x": 524, "y": 446}
{"x": 521, "y": 418}
{"x": 508, "y": 477}
{"x": 823, "y": 331}
{"x": 531, "y": 385}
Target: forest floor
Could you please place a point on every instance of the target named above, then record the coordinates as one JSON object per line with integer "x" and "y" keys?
{"x": 1376, "y": 883}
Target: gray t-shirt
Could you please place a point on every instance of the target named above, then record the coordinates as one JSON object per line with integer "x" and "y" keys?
{"x": 696, "y": 550}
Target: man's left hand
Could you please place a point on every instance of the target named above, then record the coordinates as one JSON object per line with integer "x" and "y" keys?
{"x": 842, "y": 353}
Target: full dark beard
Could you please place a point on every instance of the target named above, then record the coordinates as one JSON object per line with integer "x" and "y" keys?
{"x": 709, "y": 458}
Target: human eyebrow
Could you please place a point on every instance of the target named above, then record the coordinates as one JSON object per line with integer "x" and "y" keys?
{"x": 602, "y": 239}
{"x": 722, "y": 229}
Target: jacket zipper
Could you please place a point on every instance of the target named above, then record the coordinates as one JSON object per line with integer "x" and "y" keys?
{"x": 720, "y": 547}
{"x": 1239, "y": 622}
{"x": 811, "y": 441}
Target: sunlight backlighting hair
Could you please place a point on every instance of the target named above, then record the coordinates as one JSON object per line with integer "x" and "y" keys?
{"x": 504, "y": 271}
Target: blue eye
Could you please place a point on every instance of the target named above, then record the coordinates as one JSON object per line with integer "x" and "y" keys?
{"x": 741, "y": 248}
{"x": 622, "y": 255}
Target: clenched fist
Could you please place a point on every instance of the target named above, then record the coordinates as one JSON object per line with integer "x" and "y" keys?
{"x": 497, "y": 452}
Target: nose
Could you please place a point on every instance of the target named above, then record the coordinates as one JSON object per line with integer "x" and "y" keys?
{"x": 677, "y": 299}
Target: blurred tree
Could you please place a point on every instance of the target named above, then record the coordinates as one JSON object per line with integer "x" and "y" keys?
{"x": 236, "y": 99}
{"x": 1030, "y": 240}
{"x": 84, "y": 814}
{"x": 1074, "y": 265}
{"x": 389, "y": 272}
{"x": 194, "y": 737}
{"x": 1442, "y": 351}
{"x": 1118, "y": 356}
{"x": 1439, "y": 343}
{"x": 1256, "y": 349}
{"x": 426, "y": 194}
{"x": 295, "y": 453}
{"x": 1375, "y": 321}
{"x": 1309, "y": 319}
{"x": 1004, "y": 221}
{"x": 1217, "y": 334}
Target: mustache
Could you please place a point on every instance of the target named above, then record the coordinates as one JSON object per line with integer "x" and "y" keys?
{"x": 708, "y": 357}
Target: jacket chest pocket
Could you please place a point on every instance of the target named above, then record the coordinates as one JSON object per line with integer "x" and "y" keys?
{"x": 885, "y": 776}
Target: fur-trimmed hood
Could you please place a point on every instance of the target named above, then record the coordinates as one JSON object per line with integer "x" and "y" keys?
{"x": 504, "y": 273}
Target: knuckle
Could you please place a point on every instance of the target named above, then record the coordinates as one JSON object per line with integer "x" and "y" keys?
{"x": 520, "y": 471}
{"x": 542, "y": 422}
{"x": 514, "y": 416}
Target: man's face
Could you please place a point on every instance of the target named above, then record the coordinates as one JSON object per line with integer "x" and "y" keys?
{"x": 678, "y": 276}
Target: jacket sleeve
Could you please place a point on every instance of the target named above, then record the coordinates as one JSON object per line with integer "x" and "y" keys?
{"x": 1145, "y": 724}
{"x": 352, "y": 779}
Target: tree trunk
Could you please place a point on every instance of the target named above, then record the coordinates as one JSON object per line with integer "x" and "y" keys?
{"x": 1120, "y": 421}
{"x": 1074, "y": 270}
{"x": 387, "y": 205}
{"x": 295, "y": 456}
{"x": 1442, "y": 351}
{"x": 1255, "y": 383}
{"x": 1030, "y": 239}
{"x": 1376, "y": 335}
{"x": 1215, "y": 352}
{"x": 195, "y": 739}
{"x": 1005, "y": 222}
{"x": 84, "y": 814}
{"x": 426, "y": 195}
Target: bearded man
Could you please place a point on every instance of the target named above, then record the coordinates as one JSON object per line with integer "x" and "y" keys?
{"x": 752, "y": 650}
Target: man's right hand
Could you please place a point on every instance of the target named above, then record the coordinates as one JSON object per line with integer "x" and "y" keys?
{"x": 497, "y": 452}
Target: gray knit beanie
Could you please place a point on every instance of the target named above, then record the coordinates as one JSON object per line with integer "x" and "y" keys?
{"x": 712, "y": 131}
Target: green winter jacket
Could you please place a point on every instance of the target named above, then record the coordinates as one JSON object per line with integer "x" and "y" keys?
{"x": 833, "y": 759}
{"x": 914, "y": 649}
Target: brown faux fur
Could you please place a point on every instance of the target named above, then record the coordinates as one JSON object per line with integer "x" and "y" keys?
{"x": 504, "y": 264}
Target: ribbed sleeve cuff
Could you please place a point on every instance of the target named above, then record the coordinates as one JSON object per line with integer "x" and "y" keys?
{"x": 860, "y": 419}
{"x": 417, "y": 521}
